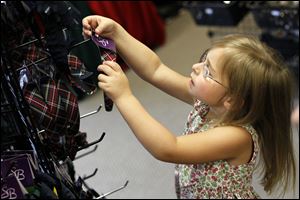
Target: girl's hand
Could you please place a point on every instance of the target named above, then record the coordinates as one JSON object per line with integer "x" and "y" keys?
{"x": 102, "y": 26}
{"x": 114, "y": 82}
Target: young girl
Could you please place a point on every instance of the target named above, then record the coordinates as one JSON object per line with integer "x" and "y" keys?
{"x": 241, "y": 96}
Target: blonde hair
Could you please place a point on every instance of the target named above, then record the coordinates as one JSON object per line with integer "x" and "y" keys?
{"x": 261, "y": 87}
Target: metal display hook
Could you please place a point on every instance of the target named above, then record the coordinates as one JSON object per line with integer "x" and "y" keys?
{"x": 91, "y": 113}
{"x": 91, "y": 175}
{"x": 87, "y": 153}
{"x": 113, "y": 191}
{"x": 92, "y": 143}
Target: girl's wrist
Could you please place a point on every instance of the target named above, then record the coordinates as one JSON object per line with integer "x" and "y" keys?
{"x": 124, "y": 99}
{"x": 118, "y": 33}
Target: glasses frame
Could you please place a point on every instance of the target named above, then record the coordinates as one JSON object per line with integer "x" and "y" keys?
{"x": 206, "y": 71}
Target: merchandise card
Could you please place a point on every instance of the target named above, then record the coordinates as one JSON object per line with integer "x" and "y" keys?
{"x": 31, "y": 153}
{"x": 105, "y": 43}
{"x": 19, "y": 166}
{"x": 12, "y": 188}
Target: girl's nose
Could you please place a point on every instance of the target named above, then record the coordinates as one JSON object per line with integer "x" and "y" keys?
{"x": 196, "y": 68}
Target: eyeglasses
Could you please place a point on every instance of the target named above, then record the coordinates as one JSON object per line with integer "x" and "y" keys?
{"x": 206, "y": 72}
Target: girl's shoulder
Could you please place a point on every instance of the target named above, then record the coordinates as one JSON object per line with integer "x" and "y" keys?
{"x": 246, "y": 129}
{"x": 249, "y": 128}
{"x": 242, "y": 138}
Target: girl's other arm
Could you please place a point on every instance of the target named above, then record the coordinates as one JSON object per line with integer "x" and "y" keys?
{"x": 149, "y": 67}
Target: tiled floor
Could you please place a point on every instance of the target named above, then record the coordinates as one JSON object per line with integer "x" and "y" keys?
{"x": 119, "y": 156}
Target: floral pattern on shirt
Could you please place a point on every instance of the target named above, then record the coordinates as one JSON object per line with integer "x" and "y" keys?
{"x": 218, "y": 179}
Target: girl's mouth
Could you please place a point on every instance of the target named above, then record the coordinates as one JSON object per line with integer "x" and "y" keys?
{"x": 192, "y": 83}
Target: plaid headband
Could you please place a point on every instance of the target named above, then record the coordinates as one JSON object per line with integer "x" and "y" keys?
{"x": 107, "y": 50}
{"x": 48, "y": 92}
{"x": 54, "y": 106}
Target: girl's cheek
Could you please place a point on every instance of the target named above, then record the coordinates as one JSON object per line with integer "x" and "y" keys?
{"x": 199, "y": 83}
{"x": 199, "y": 88}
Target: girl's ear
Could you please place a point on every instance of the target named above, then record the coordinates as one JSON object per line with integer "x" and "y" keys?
{"x": 228, "y": 103}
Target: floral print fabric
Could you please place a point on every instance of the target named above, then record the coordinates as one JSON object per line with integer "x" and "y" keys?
{"x": 217, "y": 179}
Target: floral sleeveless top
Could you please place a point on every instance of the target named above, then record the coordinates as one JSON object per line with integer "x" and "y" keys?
{"x": 217, "y": 179}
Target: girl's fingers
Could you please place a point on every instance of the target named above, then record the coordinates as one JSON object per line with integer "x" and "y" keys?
{"x": 91, "y": 23}
{"x": 108, "y": 67}
{"x": 105, "y": 69}
{"x": 102, "y": 78}
{"x": 101, "y": 85}
{"x": 115, "y": 66}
